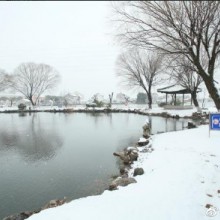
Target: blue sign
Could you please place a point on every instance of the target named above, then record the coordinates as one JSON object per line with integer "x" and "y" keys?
{"x": 214, "y": 121}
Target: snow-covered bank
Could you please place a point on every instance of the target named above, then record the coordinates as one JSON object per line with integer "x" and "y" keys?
{"x": 156, "y": 111}
{"x": 181, "y": 178}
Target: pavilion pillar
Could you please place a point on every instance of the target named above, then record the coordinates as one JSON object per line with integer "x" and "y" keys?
{"x": 183, "y": 98}
{"x": 166, "y": 98}
{"x": 175, "y": 99}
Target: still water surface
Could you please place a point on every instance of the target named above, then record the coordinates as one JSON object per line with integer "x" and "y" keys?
{"x": 46, "y": 156}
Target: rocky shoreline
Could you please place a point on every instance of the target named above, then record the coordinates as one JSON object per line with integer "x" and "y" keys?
{"x": 27, "y": 214}
{"x": 194, "y": 116}
{"x": 127, "y": 157}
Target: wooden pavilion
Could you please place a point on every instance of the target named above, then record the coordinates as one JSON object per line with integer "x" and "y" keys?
{"x": 175, "y": 90}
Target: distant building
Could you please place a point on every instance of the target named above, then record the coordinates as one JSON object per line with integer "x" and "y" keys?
{"x": 72, "y": 99}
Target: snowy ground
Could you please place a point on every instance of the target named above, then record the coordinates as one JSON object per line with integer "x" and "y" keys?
{"x": 155, "y": 109}
{"x": 182, "y": 176}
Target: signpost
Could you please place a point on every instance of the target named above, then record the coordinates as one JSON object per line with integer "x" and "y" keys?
{"x": 214, "y": 122}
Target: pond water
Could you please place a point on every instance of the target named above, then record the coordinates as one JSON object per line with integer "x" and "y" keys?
{"x": 46, "y": 156}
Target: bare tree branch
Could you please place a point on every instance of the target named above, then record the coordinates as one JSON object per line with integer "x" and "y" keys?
{"x": 138, "y": 69}
{"x": 184, "y": 74}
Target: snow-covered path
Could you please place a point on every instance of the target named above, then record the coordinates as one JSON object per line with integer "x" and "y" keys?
{"x": 182, "y": 176}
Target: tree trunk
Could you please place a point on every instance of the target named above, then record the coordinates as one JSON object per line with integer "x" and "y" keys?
{"x": 149, "y": 100}
{"x": 194, "y": 98}
{"x": 213, "y": 92}
{"x": 32, "y": 102}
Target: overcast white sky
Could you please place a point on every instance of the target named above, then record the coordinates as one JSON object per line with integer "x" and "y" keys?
{"x": 73, "y": 37}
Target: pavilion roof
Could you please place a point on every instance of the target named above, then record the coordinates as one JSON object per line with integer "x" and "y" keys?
{"x": 175, "y": 89}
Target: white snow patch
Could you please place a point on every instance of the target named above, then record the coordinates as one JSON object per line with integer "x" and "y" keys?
{"x": 132, "y": 148}
{"x": 147, "y": 121}
{"x": 141, "y": 140}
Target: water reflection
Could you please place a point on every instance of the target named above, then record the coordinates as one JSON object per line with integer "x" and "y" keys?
{"x": 22, "y": 114}
{"x": 160, "y": 125}
{"x": 33, "y": 140}
{"x": 97, "y": 116}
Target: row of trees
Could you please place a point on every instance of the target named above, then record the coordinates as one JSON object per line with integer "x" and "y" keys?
{"x": 137, "y": 68}
{"x": 30, "y": 79}
{"x": 183, "y": 35}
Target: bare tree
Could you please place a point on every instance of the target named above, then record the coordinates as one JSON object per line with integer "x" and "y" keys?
{"x": 138, "y": 69}
{"x": 97, "y": 97}
{"x": 32, "y": 80}
{"x": 184, "y": 74}
{"x": 187, "y": 28}
{"x": 79, "y": 96}
{"x": 3, "y": 80}
{"x": 123, "y": 98}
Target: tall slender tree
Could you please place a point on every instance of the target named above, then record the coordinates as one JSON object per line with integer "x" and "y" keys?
{"x": 136, "y": 68}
